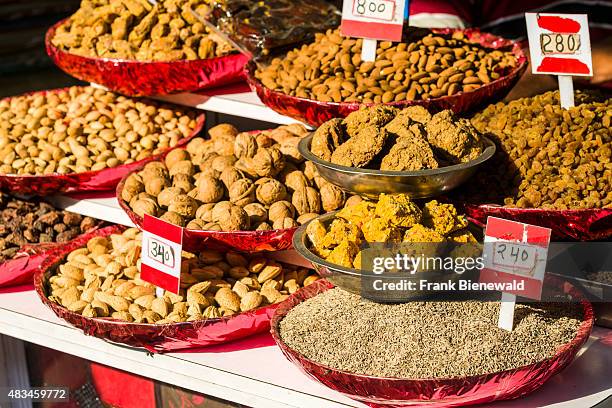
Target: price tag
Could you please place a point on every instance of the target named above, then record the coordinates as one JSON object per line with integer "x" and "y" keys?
{"x": 515, "y": 254}
{"x": 373, "y": 19}
{"x": 162, "y": 246}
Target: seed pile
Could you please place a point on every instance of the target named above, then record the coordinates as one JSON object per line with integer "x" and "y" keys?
{"x": 234, "y": 182}
{"x": 103, "y": 280}
{"x": 424, "y": 339}
{"x": 163, "y": 30}
{"x": 547, "y": 157}
{"x": 331, "y": 70}
{"x": 36, "y": 222}
{"x": 387, "y": 138}
{"x": 84, "y": 128}
{"x": 601, "y": 276}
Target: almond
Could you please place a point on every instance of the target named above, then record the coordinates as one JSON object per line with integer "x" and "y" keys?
{"x": 228, "y": 299}
{"x": 270, "y": 271}
{"x": 160, "y": 307}
{"x": 145, "y": 301}
{"x": 250, "y": 301}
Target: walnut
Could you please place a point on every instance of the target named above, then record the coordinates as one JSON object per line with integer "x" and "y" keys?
{"x": 182, "y": 181}
{"x": 289, "y": 148}
{"x": 270, "y": 191}
{"x": 242, "y": 192}
{"x": 154, "y": 169}
{"x": 211, "y": 226}
{"x": 220, "y": 163}
{"x": 175, "y": 156}
{"x": 268, "y": 162}
{"x": 353, "y": 200}
{"x": 143, "y": 206}
{"x": 182, "y": 167}
{"x": 204, "y": 212}
{"x": 209, "y": 189}
{"x": 332, "y": 197}
{"x": 263, "y": 226}
{"x": 281, "y": 209}
{"x": 263, "y": 140}
{"x": 143, "y": 196}
{"x": 245, "y": 145}
{"x": 310, "y": 170}
{"x": 183, "y": 205}
{"x": 168, "y": 194}
{"x": 284, "y": 223}
{"x": 196, "y": 145}
{"x": 304, "y": 218}
{"x": 223, "y": 137}
{"x": 173, "y": 218}
{"x": 220, "y": 209}
{"x": 195, "y": 224}
{"x": 155, "y": 185}
{"x": 132, "y": 187}
{"x": 257, "y": 213}
{"x": 306, "y": 200}
{"x": 236, "y": 219}
{"x": 246, "y": 166}
{"x": 296, "y": 180}
{"x": 230, "y": 175}
{"x": 222, "y": 130}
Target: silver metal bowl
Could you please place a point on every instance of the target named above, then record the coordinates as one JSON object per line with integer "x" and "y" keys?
{"x": 416, "y": 184}
{"x": 355, "y": 280}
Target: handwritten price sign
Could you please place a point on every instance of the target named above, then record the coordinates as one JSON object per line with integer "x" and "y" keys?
{"x": 376, "y": 9}
{"x": 162, "y": 245}
{"x": 517, "y": 257}
{"x": 373, "y": 19}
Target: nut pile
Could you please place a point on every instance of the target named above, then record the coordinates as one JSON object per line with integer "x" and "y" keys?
{"x": 604, "y": 277}
{"x": 387, "y": 138}
{"x": 103, "y": 280}
{"x": 392, "y": 219}
{"x": 547, "y": 157}
{"x": 142, "y": 30}
{"x": 84, "y": 128}
{"x": 424, "y": 339}
{"x": 36, "y": 222}
{"x": 234, "y": 182}
{"x": 331, "y": 70}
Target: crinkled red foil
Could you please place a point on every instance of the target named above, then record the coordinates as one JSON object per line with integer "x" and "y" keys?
{"x": 100, "y": 180}
{"x": 156, "y": 338}
{"x": 316, "y": 113}
{"x": 580, "y": 225}
{"x": 142, "y": 78}
{"x": 20, "y": 270}
{"x": 397, "y": 392}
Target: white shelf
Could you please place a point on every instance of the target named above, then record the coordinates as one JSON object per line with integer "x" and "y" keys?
{"x": 255, "y": 373}
{"x": 103, "y": 206}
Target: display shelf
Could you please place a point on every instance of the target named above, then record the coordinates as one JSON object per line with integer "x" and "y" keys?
{"x": 254, "y": 372}
{"x": 103, "y": 206}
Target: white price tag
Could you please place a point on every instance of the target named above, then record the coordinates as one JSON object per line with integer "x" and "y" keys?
{"x": 375, "y": 9}
{"x": 519, "y": 258}
{"x": 373, "y": 19}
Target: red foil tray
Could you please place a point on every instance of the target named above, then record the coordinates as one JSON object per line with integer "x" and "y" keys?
{"x": 152, "y": 337}
{"x": 20, "y": 270}
{"x": 243, "y": 241}
{"x": 142, "y": 78}
{"x": 579, "y": 225}
{"x": 316, "y": 113}
{"x": 100, "y": 180}
{"x": 452, "y": 392}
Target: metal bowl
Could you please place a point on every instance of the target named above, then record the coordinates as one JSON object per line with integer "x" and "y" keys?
{"x": 416, "y": 184}
{"x": 355, "y": 280}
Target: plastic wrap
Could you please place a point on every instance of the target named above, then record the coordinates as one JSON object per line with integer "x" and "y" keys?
{"x": 316, "y": 113}
{"x": 580, "y": 225}
{"x": 156, "y": 338}
{"x": 99, "y": 180}
{"x": 397, "y": 392}
{"x": 142, "y": 78}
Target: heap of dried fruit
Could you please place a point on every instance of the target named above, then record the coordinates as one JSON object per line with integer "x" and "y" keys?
{"x": 142, "y": 30}
{"x": 425, "y": 339}
{"x": 547, "y": 157}
{"x": 26, "y": 222}
{"x": 83, "y": 128}
{"x": 392, "y": 219}
{"x": 103, "y": 280}
{"x": 234, "y": 181}
{"x": 386, "y": 138}
{"x": 331, "y": 70}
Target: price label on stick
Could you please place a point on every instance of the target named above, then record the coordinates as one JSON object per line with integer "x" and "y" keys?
{"x": 559, "y": 44}
{"x": 514, "y": 254}
{"x": 162, "y": 246}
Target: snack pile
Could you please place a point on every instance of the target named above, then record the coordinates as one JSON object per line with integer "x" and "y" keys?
{"x": 234, "y": 182}
{"x": 387, "y": 138}
{"x": 26, "y": 222}
{"x": 83, "y": 128}
{"x": 330, "y": 69}
{"x": 392, "y": 219}
{"x": 142, "y": 30}
{"x": 103, "y": 280}
{"x": 547, "y": 157}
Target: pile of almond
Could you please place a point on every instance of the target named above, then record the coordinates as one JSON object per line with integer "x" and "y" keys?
{"x": 103, "y": 280}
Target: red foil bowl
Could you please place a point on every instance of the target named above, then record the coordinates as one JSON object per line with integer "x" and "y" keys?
{"x": 20, "y": 270}
{"x": 315, "y": 113}
{"x": 142, "y": 78}
{"x": 244, "y": 241}
{"x": 99, "y": 180}
{"x": 579, "y": 225}
{"x": 154, "y": 338}
{"x": 398, "y": 392}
